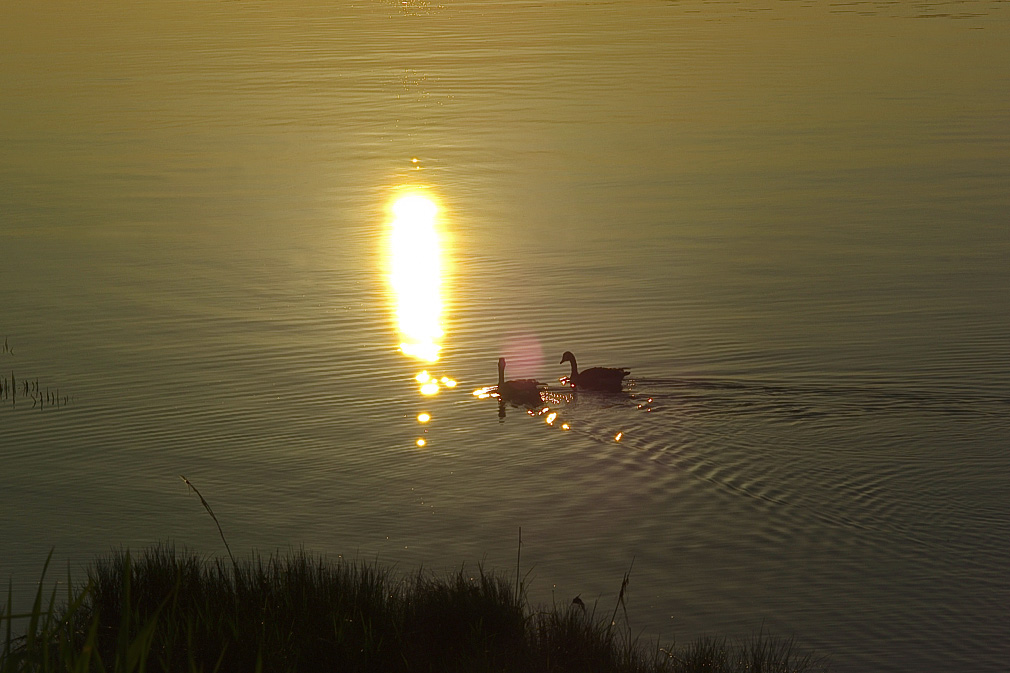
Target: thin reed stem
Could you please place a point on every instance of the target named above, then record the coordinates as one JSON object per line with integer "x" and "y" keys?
{"x": 206, "y": 506}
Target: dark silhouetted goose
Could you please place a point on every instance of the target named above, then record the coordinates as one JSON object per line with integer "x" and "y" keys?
{"x": 521, "y": 391}
{"x": 604, "y": 379}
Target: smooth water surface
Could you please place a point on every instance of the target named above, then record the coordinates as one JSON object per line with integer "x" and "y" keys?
{"x": 788, "y": 219}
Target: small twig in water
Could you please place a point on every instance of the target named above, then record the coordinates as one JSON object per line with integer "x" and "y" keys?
{"x": 206, "y": 506}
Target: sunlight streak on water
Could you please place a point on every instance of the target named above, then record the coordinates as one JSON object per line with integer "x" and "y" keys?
{"x": 416, "y": 276}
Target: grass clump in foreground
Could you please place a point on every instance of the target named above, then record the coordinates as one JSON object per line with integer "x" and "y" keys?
{"x": 168, "y": 611}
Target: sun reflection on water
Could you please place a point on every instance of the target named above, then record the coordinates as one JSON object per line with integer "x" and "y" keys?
{"x": 415, "y": 267}
{"x": 416, "y": 276}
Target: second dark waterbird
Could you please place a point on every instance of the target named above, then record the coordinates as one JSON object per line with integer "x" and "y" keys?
{"x": 524, "y": 392}
{"x": 604, "y": 379}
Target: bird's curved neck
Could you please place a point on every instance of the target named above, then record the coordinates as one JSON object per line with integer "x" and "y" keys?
{"x": 501, "y": 374}
{"x": 575, "y": 368}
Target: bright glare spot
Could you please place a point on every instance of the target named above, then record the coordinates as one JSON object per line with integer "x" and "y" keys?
{"x": 423, "y": 377}
{"x": 429, "y": 388}
{"x": 423, "y": 417}
{"x": 551, "y": 416}
{"x": 483, "y": 393}
{"x": 415, "y": 209}
{"x": 565, "y": 426}
{"x": 618, "y": 436}
{"x": 421, "y": 442}
{"x": 449, "y": 383}
{"x": 426, "y": 351}
{"x": 416, "y": 276}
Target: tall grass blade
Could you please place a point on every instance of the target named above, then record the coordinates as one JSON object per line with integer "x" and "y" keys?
{"x": 519, "y": 551}
{"x": 8, "y": 616}
{"x": 620, "y": 598}
{"x": 36, "y": 613}
{"x": 206, "y": 506}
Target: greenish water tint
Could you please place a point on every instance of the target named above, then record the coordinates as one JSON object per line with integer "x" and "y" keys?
{"x": 788, "y": 220}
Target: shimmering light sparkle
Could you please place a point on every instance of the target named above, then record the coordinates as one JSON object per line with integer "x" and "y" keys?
{"x": 423, "y": 417}
{"x": 416, "y": 276}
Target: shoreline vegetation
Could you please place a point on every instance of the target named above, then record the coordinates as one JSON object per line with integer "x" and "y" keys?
{"x": 27, "y": 388}
{"x": 179, "y": 613}
{"x": 174, "y": 611}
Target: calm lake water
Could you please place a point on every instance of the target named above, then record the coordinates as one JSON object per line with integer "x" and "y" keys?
{"x": 789, "y": 220}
